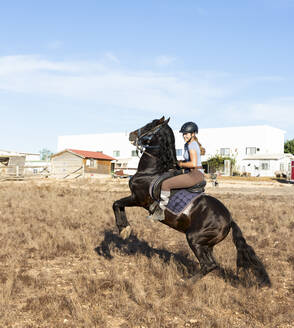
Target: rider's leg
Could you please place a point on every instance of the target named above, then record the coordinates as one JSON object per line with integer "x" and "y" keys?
{"x": 180, "y": 181}
{"x": 183, "y": 180}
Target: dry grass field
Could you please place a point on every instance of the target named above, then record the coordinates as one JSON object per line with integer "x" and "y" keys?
{"x": 64, "y": 265}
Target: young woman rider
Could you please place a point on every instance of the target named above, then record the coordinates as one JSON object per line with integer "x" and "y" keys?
{"x": 194, "y": 173}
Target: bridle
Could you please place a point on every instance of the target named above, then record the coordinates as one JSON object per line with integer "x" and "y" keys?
{"x": 141, "y": 140}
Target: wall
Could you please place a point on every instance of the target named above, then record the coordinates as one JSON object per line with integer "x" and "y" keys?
{"x": 254, "y": 167}
{"x": 99, "y": 166}
{"x": 268, "y": 139}
{"x": 15, "y": 166}
{"x": 64, "y": 164}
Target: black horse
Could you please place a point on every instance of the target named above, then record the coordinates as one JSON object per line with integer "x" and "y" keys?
{"x": 206, "y": 221}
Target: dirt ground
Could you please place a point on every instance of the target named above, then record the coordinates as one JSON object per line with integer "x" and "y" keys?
{"x": 64, "y": 265}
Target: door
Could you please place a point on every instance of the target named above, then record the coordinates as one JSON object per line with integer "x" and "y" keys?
{"x": 292, "y": 170}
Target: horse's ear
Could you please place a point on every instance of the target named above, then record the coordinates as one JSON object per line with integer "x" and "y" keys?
{"x": 161, "y": 120}
{"x": 166, "y": 121}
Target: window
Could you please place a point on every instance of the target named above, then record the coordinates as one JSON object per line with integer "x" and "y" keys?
{"x": 134, "y": 153}
{"x": 116, "y": 153}
{"x": 265, "y": 165}
{"x": 90, "y": 162}
{"x": 179, "y": 152}
{"x": 225, "y": 151}
{"x": 250, "y": 150}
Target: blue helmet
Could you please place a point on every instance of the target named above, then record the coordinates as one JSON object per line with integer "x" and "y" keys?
{"x": 189, "y": 127}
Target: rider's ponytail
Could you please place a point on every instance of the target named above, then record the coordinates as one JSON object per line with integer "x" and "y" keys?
{"x": 202, "y": 149}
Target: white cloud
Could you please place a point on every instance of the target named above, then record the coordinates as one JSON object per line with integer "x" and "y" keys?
{"x": 103, "y": 84}
{"x": 10, "y": 65}
{"x": 279, "y": 110}
{"x": 163, "y": 61}
{"x": 110, "y": 56}
{"x": 205, "y": 95}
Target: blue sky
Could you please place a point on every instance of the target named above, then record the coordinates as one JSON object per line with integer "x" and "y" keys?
{"x": 77, "y": 67}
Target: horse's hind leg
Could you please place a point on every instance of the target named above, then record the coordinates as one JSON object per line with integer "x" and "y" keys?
{"x": 204, "y": 256}
{"x": 211, "y": 258}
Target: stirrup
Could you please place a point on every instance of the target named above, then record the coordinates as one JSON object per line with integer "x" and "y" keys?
{"x": 158, "y": 215}
{"x": 152, "y": 207}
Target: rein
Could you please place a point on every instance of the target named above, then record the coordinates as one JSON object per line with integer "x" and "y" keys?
{"x": 146, "y": 137}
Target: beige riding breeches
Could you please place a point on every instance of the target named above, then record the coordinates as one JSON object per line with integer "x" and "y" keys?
{"x": 183, "y": 180}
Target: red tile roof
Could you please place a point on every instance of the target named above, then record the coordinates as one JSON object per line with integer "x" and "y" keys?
{"x": 91, "y": 154}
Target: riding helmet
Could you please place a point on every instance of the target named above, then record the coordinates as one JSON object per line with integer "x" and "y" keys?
{"x": 189, "y": 127}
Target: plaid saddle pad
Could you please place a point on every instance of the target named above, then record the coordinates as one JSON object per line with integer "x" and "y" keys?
{"x": 181, "y": 199}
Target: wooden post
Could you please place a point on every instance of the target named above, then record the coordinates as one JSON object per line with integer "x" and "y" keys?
{"x": 292, "y": 172}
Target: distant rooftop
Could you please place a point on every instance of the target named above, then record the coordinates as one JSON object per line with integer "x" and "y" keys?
{"x": 88, "y": 154}
{"x": 267, "y": 156}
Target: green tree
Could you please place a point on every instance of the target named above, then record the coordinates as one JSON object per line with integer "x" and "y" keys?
{"x": 289, "y": 146}
{"x": 45, "y": 154}
{"x": 217, "y": 162}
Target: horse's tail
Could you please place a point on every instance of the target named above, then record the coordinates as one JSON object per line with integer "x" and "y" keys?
{"x": 246, "y": 257}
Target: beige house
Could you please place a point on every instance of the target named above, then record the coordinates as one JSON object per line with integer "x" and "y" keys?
{"x": 11, "y": 166}
{"x": 73, "y": 163}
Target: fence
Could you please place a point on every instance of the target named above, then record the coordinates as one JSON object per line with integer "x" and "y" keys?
{"x": 18, "y": 172}
{"x": 123, "y": 172}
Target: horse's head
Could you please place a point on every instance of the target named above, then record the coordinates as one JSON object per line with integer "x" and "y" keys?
{"x": 159, "y": 141}
{"x": 143, "y": 136}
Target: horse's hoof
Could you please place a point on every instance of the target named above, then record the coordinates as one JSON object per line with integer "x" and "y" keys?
{"x": 196, "y": 278}
{"x": 126, "y": 232}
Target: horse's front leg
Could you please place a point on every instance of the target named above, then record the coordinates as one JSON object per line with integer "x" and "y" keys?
{"x": 120, "y": 215}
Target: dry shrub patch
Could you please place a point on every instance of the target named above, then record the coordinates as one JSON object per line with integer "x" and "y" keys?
{"x": 63, "y": 264}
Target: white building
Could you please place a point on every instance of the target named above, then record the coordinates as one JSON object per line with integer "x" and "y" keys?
{"x": 28, "y": 156}
{"x": 258, "y": 147}
{"x": 31, "y": 164}
{"x": 267, "y": 164}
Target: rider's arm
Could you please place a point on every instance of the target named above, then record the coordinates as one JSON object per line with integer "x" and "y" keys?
{"x": 193, "y": 160}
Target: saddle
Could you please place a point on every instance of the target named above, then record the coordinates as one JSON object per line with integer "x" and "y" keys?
{"x": 155, "y": 186}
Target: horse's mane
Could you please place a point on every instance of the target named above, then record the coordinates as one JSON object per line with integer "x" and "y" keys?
{"x": 167, "y": 148}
